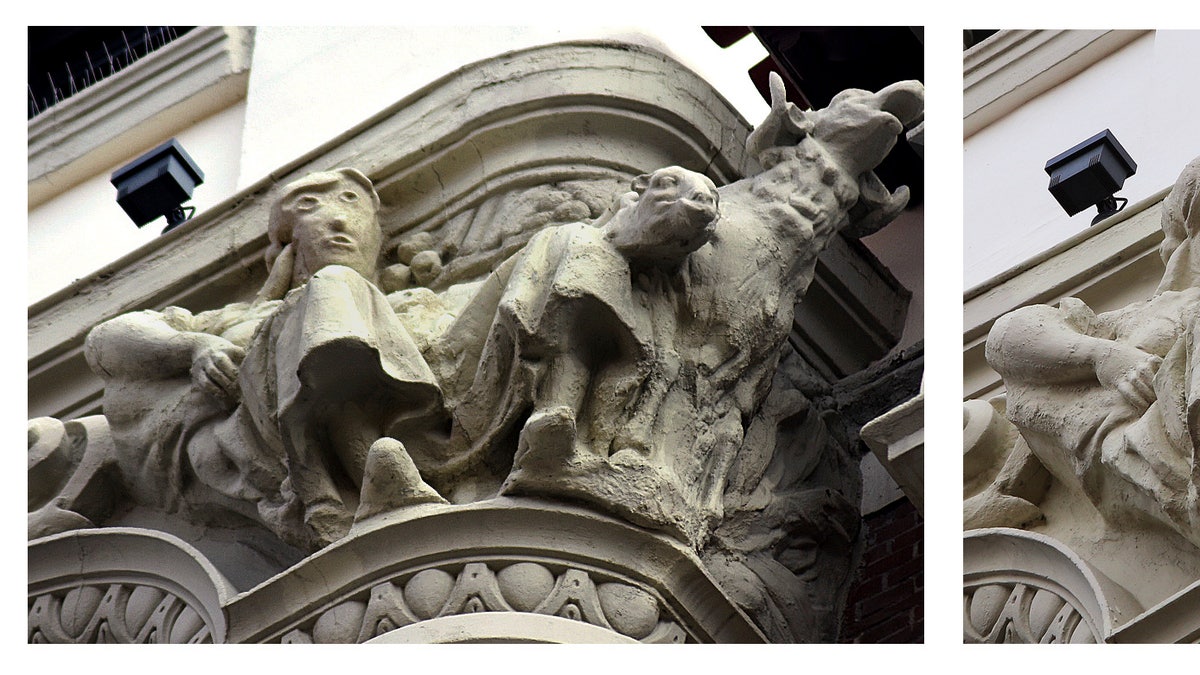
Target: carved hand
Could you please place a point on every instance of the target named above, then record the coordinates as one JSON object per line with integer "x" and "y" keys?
{"x": 214, "y": 370}
{"x": 1130, "y": 371}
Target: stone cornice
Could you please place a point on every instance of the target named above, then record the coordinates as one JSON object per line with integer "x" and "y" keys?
{"x": 1109, "y": 265}
{"x": 1175, "y": 620}
{"x": 1014, "y": 66}
{"x": 202, "y": 72}
{"x": 598, "y": 111}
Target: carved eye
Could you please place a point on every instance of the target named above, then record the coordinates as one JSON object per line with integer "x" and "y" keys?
{"x": 348, "y": 196}
{"x": 667, "y": 181}
{"x": 307, "y": 203}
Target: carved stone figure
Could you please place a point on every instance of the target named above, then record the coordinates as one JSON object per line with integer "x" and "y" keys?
{"x": 246, "y": 408}
{"x": 1110, "y": 402}
{"x": 625, "y": 363}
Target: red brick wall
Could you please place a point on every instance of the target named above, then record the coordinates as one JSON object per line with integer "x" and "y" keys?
{"x": 885, "y": 603}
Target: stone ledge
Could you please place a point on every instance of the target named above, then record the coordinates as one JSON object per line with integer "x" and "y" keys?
{"x": 1014, "y": 66}
{"x": 1108, "y": 266}
{"x": 394, "y": 548}
{"x": 202, "y": 72}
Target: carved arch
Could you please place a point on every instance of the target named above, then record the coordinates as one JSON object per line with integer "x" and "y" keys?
{"x": 1024, "y": 587}
{"x": 123, "y": 585}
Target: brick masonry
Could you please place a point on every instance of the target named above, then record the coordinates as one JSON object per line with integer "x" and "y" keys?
{"x": 885, "y": 604}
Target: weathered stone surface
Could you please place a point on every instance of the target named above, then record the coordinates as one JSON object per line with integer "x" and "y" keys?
{"x": 1098, "y": 453}
{"x": 1107, "y": 401}
{"x": 626, "y": 359}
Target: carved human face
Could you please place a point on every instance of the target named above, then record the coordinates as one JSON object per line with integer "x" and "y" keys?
{"x": 334, "y": 224}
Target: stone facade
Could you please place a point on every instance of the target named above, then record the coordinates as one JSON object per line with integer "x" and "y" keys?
{"x": 1081, "y": 478}
{"x": 523, "y": 374}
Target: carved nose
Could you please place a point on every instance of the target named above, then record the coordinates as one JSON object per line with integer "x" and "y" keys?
{"x": 702, "y": 197}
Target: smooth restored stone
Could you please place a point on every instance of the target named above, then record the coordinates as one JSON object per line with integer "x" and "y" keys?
{"x": 79, "y": 605}
{"x": 630, "y": 610}
{"x": 142, "y": 603}
{"x": 986, "y": 605}
{"x": 186, "y": 626}
{"x": 1043, "y": 609}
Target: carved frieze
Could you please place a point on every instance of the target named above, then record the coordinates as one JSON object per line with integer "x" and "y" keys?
{"x": 551, "y": 339}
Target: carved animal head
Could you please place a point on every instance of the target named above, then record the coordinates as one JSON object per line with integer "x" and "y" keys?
{"x": 857, "y": 129}
{"x": 670, "y": 213}
{"x": 855, "y": 133}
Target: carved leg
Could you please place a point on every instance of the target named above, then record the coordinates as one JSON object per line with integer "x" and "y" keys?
{"x": 352, "y": 430}
{"x": 325, "y": 512}
{"x": 548, "y": 439}
{"x": 565, "y": 383}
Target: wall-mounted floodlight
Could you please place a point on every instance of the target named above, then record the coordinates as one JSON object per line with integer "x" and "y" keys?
{"x": 157, "y": 184}
{"x": 1089, "y": 174}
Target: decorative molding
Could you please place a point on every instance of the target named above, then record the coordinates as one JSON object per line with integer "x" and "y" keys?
{"x": 453, "y": 590}
{"x": 1012, "y": 67}
{"x": 1019, "y": 613}
{"x": 897, "y": 438}
{"x": 506, "y": 627}
{"x": 1025, "y": 587}
{"x": 434, "y": 565}
{"x": 504, "y": 555}
{"x": 1108, "y": 266}
{"x": 199, "y": 74}
{"x": 123, "y": 585}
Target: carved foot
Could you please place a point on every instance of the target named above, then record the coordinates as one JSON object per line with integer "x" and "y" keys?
{"x": 51, "y": 519}
{"x": 547, "y": 439}
{"x": 391, "y": 481}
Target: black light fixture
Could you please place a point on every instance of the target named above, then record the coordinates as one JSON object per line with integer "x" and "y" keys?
{"x": 157, "y": 184}
{"x": 1090, "y": 174}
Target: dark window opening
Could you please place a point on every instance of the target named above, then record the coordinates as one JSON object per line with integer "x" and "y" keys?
{"x": 974, "y": 37}
{"x": 64, "y": 60}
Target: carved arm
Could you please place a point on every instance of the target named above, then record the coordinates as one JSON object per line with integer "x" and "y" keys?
{"x": 145, "y": 346}
{"x": 1040, "y": 345}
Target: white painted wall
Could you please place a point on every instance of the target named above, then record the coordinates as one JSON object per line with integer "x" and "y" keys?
{"x": 323, "y": 81}
{"x": 1145, "y": 93}
{"x": 83, "y": 229}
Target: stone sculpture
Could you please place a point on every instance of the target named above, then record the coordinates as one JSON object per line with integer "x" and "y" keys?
{"x": 244, "y": 409}
{"x": 645, "y": 413}
{"x": 1109, "y": 402}
{"x": 624, "y": 363}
